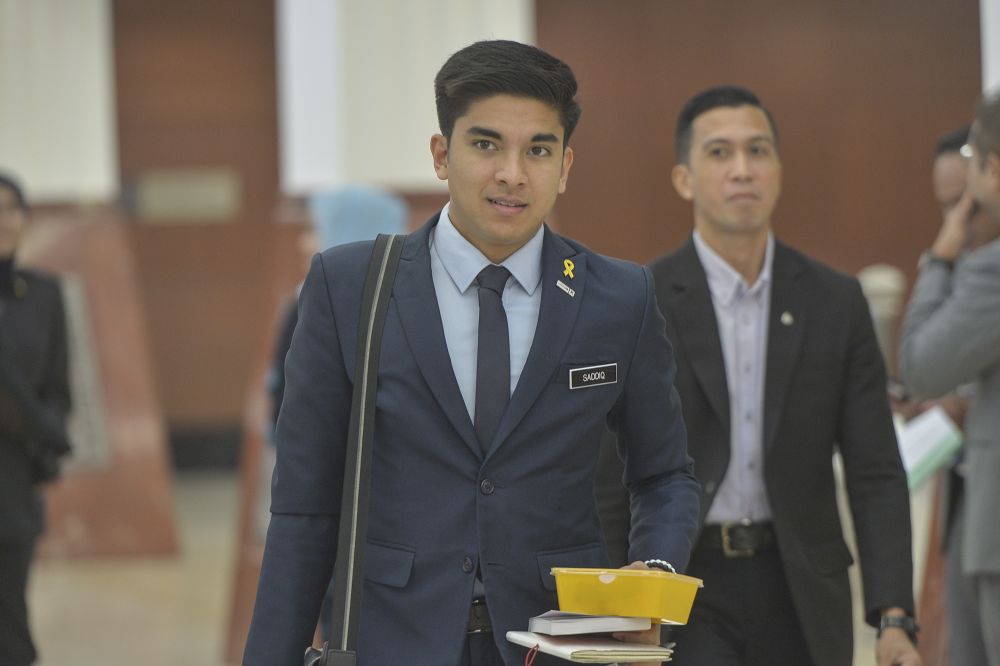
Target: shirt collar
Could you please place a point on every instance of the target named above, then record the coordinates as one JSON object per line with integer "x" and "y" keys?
{"x": 463, "y": 261}
{"x": 724, "y": 281}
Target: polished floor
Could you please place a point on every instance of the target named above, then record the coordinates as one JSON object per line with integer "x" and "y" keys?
{"x": 174, "y": 611}
{"x": 151, "y": 611}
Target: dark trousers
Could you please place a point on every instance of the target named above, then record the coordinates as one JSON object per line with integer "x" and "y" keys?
{"x": 480, "y": 650}
{"x": 744, "y": 616}
{"x": 16, "y": 648}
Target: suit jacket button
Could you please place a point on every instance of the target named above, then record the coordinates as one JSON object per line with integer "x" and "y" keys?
{"x": 468, "y": 565}
{"x": 710, "y": 487}
{"x": 487, "y": 487}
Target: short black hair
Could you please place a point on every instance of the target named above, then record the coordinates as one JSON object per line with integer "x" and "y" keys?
{"x": 985, "y": 133}
{"x": 502, "y": 67}
{"x": 952, "y": 142}
{"x": 11, "y": 184}
{"x": 707, "y": 100}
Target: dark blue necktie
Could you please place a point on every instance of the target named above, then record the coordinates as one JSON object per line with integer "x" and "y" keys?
{"x": 493, "y": 362}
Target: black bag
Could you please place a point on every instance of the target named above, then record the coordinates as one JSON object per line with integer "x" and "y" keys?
{"x": 349, "y": 570}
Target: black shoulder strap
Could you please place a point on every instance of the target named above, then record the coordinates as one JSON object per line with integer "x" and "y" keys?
{"x": 349, "y": 568}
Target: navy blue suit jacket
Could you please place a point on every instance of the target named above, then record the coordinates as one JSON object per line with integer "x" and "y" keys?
{"x": 433, "y": 517}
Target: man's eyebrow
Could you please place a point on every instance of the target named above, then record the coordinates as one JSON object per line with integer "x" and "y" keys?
{"x": 753, "y": 139}
{"x": 545, "y": 138}
{"x": 483, "y": 131}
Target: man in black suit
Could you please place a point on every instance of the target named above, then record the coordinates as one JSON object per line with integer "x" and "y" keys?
{"x": 777, "y": 368}
{"x": 34, "y": 402}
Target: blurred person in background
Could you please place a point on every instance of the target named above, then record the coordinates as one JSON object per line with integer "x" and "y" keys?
{"x": 337, "y": 216}
{"x": 34, "y": 404}
{"x": 951, "y": 337}
{"x": 965, "y": 640}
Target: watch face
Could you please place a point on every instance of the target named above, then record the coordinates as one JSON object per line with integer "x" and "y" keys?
{"x": 904, "y": 622}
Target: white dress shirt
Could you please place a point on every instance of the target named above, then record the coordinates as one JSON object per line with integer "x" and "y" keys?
{"x": 455, "y": 263}
{"x": 741, "y": 311}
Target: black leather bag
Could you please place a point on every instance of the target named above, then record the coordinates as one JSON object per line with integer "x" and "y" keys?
{"x": 349, "y": 570}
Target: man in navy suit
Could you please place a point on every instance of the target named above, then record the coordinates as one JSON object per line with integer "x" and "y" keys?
{"x": 474, "y": 500}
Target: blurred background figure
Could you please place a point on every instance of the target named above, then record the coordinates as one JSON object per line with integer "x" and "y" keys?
{"x": 337, "y": 216}
{"x": 342, "y": 215}
{"x": 34, "y": 404}
{"x": 966, "y": 227}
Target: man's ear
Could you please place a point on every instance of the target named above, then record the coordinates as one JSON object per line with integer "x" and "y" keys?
{"x": 439, "y": 151}
{"x": 993, "y": 167}
{"x": 680, "y": 175}
{"x": 567, "y": 162}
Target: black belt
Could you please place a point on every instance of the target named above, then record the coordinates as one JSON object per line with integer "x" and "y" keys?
{"x": 479, "y": 618}
{"x": 741, "y": 539}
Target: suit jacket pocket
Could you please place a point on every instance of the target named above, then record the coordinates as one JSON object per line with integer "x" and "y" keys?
{"x": 830, "y": 558}
{"x": 591, "y": 555}
{"x": 388, "y": 565}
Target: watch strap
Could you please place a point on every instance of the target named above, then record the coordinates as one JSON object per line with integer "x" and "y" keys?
{"x": 904, "y": 622}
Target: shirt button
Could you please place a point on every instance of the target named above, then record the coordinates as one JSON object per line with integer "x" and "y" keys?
{"x": 487, "y": 487}
{"x": 468, "y": 565}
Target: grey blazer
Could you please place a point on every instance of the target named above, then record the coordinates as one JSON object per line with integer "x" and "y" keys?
{"x": 951, "y": 336}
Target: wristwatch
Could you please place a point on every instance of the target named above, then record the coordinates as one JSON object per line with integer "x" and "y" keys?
{"x": 904, "y": 622}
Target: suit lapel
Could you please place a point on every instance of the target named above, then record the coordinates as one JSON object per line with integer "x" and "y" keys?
{"x": 786, "y": 328}
{"x": 698, "y": 329}
{"x": 556, "y": 318}
{"x": 420, "y": 316}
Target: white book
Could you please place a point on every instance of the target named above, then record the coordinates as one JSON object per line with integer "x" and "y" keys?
{"x": 590, "y": 649}
{"x": 559, "y": 623}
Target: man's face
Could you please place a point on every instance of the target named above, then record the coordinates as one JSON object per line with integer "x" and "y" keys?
{"x": 949, "y": 176}
{"x": 733, "y": 174}
{"x": 12, "y": 220}
{"x": 983, "y": 179}
{"x": 505, "y": 165}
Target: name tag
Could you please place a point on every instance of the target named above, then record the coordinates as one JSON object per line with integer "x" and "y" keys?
{"x": 595, "y": 375}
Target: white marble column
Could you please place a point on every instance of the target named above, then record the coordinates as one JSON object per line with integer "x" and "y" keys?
{"x": 356, "y": 98}
{"x": 57, "y": 106}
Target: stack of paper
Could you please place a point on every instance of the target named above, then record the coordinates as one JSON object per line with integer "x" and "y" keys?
{"x": 926, "y": 443}
{"x": 584, "y": 649}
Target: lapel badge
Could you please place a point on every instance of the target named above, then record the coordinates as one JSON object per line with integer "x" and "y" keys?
{"x": 787, "y": 319}
{"x": 568, "y": 267}
{"x": 562, "y": 285}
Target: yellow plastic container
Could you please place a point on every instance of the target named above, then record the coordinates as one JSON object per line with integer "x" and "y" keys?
{"x": 651, "y": 593}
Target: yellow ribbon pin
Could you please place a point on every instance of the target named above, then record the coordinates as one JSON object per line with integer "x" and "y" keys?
{"x": 568, "y": 265}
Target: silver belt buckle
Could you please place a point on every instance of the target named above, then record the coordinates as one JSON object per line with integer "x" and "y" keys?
{"x": 727, "y": 544}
